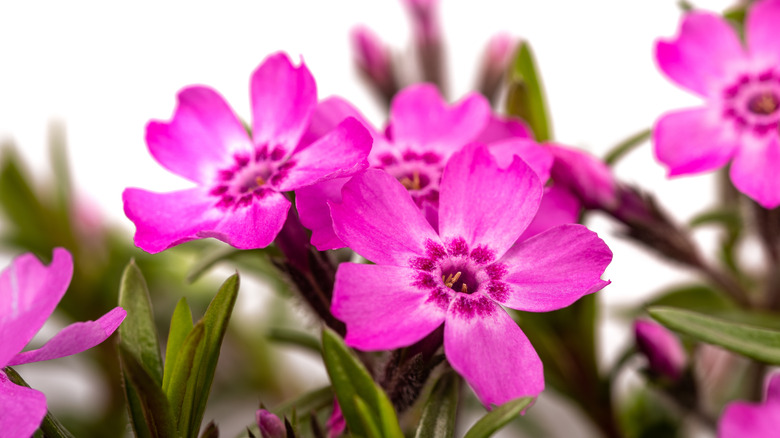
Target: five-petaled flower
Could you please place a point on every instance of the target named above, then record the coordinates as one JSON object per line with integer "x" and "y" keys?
{"x": 241, "y": 178}
{"x": 741, "y": 119}
{"x": 29, "y": 292}
{"x": 461, "y": 275}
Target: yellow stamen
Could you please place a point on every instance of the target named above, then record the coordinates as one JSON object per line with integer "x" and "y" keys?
{"x": 451, "y": 279}
{"x": 464, "y": 288}
{"x": 413, "y": 183}
{"x": 259, "y": 180}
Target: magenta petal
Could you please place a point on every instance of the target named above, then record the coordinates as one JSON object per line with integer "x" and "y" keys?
{"x": 342, "y": 152}
{"x": 21, "y": 409}
{"x": 584, "y": 175}
{"x": 30, "y": 292}
{"x": 484, "y": 204}
{"x": 535, "y": 155}
{"x": 328, "y": 114}
{"x": 283, "y": 98}
{"x": 762, "y": 31}
{"x": 692, "y": 141}
{"x": 559, "y": 206}
{"x": 554, "y": 269}
{"x": 74, "y": 338}
{"x": 312, "y": 204}
{"x": 756, "y": 167}
{"x": 382, "y": 308}
{"x": 253, "y": 226}
{"x": 502, "y": 128}
{"x": 700, "y": 56}
{"x": 378, "y": 219}
{"x": 422, "y": 120}
{"x": 163, "y": 220}
{"x": 491, "y": 352}
{"x": 203, "y": 133}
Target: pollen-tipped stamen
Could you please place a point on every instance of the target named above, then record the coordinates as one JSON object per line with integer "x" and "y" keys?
{"x": 451, "y": 279}
{"x": 412, "y": 183}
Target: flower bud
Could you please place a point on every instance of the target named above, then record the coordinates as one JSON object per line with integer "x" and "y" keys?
{"x": 270, "y": 425}
{"x": 498, "y": 55}
{"x": 374, "y": 61}
{"x": 663, "y": 350}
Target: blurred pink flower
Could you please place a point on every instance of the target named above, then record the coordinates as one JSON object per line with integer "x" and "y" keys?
{"x": 241, "y": 178}
{"x": 741, "y": 119}
{"x": 31, "y": 292}
{"x": 661, "y": 347}
{"x": 462, "y": 274}
{"x": 754, "y": 420}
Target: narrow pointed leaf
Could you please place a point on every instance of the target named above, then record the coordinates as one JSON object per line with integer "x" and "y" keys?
{"x": 756, "y": 343}
{"x": 367, "y": 418}
{"x": 156, "y": 411}
{"x": 138, "y": 334}
{"x": 626, "y": 146}
{"x": 351, "y": 379}
{"x": 211, "y": 431}
{"x": 310, "y": 402}
{"x": 181, "y": 390}
{"x": 525, "y": 97}
{"x": 498, "y": 418}
{"x": 295, "y": 337}
{"x": 438, "y": 417}
{"x": 181, "y": 326}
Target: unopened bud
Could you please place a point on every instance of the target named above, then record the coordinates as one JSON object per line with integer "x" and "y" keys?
{"x": 374, "y": 61}
{"x": 495, "y": 62}
{"x": 663, "y": 350}
{"x": 270, "y": 425}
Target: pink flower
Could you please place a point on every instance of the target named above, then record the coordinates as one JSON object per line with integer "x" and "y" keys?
{"x": 30, "y": 291}
{"x": 461, "y": 275}
{"x": 755, "y": 420}
{"x": 663, "y": 350}
{"x": 424, "y": 131}
{"x": 584, "y": 176}
{"x": 741, "y": 85}
{"x": 241, "y": 178}
{"x": 269, "y": 424}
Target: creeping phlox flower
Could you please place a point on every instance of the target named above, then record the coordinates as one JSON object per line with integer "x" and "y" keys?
{"x": 461, "y": 275}
{"x": 241, "y": 178}
{"x": 29, "y": 292}
{"x": 424, "y": 131}
{"x": 755, "y": 420}
{"x": 741, "y": 120}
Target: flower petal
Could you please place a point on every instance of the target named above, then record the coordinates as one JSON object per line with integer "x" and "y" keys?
{"x": 502, "y": 128}
{"x": 382, "y": 308}
{"x": 489, "y": 350}
{"x": 584, "y": 175}
{"x": 283, "y": 98}
{"x": 692, "y": 141}
{"x": 700, "y": 56}
{"x": 761, "y": 30}
{"x": 202, "y": 135}
{"x": 484, "y": 204}
{"x": 342, "y": 152}
{"x": 378, "y": 219}
{"x": 163, "y": 220}
{"x": 421, "y": 120}
{"x": 535, "y": 155}
{"x": 328, "y": 114}
{"x": 755, "y": 420}
{"x": 312, "y": 203}
{"x": 253, "y": 226}
{"x": 74, "y": 338}
{"x": 559, "y": 206}
{"x": 554, "y": 269}
{"x": 23, "y": 408}
{"x": 29, "y": 293}
{"x": 755, "y": 169}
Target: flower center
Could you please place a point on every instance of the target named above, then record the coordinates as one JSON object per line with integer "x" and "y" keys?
{"x": 419, "y": 173}
{"x": 251, "y": 176}
{"x": 753, "y": 102}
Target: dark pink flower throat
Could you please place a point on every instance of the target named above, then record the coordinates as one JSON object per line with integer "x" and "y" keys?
{"x": 753, "y": 102}
{"x": 251, "y": 176}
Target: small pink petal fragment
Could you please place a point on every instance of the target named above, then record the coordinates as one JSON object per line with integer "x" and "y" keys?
{"x": 701, "y": 55}
{"x": 382, "y": 307}
{"x": 74, "y": 338}
{"x": 283, "y": 99}
{"x": 378, "y": 219}
{"x": 554, "y": 269}
{"x": 489, "y": 350}
{"x": 21, "y": 409}
{"x": 327, "y": 115}
{"x": 755, "y": 420}
{"x": 312, "y": 204}
{"x": 201, "y": 137}
{"x": 484, "y": 204}
{"x": 756, "y": 167}
{"x": 535, "y": 155}
{"x": 559, "y": 206}
{"x": 502, "y": 128}
{"x": 693, "y": 141}
{"x": 762, "y": 32}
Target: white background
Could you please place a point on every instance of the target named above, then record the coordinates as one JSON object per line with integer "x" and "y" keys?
{"x": 106, "y": 68}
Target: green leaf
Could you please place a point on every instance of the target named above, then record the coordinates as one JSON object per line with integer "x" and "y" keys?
{"x": 138, "y": 334}
{"x": 438, "y": 417}
{"x": 211, "y": 431}
{"x": 626, "y": 146}
{"x": 730, "y": 218}
{"x": 367, "y": 418}
{"x": 295, "y": 337}
{"x": 692, "y": 297}
{"x": 211, "y": 258}
{"x": 181, "y": 326}
{"x": 350, "y": 380}
{"x": 757, "y": 343}
{"x": 310, "y": 402}
{"x": 157, "y": 417}
{"x": 525, "y": 97}
{"x": 498, "y": 418}
{"x": 196, "y": 363}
